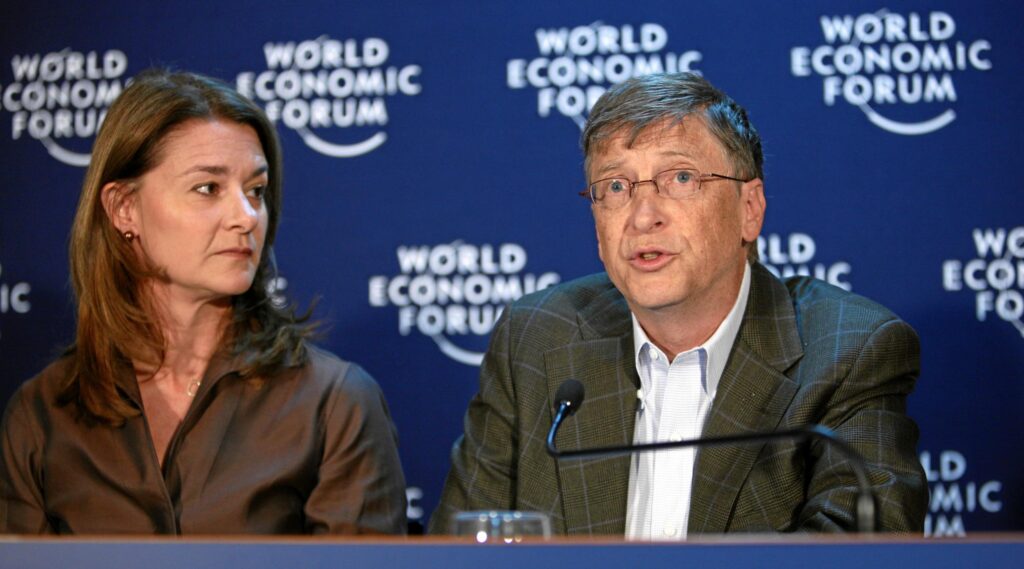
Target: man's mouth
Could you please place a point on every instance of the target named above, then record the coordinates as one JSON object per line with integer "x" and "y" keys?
{"x": 650, "y": 260}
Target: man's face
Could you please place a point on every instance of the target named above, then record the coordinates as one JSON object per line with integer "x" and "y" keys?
{"x": 664, "y": 254}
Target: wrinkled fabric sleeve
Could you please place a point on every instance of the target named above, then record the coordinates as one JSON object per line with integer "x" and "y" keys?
{"x": 22, "y": 508}
{"x": 360, "y": 487}
{"x": 483, "y": 469}
{"x": 868, "y": 411}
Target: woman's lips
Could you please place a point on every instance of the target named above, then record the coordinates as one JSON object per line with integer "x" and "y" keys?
{"x": 237, "y": 252}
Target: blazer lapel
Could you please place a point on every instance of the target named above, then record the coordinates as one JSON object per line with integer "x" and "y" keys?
{"x": 753, "y": 395}
{"x": 594, "y": 491}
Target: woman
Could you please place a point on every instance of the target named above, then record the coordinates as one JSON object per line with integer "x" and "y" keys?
{"x": 189, "y": 403}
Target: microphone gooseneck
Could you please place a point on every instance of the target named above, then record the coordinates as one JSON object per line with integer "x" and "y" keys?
{"x": 569, "y": 398}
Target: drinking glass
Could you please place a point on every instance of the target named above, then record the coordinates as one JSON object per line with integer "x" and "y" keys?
{"x": 493, "y": 526}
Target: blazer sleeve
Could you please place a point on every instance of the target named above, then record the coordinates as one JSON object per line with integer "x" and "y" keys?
{"x": 483, "y": 467}
{"x": 868, "y": 410}
{"x": 360, "y": 488}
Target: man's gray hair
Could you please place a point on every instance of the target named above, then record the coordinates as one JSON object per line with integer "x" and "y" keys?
{"x": 650, "y": 99}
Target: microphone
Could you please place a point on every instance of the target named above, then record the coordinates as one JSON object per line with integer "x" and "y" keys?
{"x": 569, "y": 398}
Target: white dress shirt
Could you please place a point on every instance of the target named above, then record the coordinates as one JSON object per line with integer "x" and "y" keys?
{"x": 674, "y": 401}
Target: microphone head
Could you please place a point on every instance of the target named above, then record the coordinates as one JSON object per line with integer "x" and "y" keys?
{"x": 571, "y": 394}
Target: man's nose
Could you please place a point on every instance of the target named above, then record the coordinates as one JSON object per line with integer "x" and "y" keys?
{"x": 646, "y": 206}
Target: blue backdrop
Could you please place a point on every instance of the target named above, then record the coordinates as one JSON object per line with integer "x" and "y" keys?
{"x": 432, "y": 164}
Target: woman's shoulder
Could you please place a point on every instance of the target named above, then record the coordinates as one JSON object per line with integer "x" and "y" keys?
{"x": 347, "y": 391}
{"x": 45, "y": 385}
{"x": 337, "y": 374}
{"x": 38, "y": 395}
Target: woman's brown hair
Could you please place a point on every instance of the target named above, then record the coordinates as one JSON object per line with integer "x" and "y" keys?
{"x": 116, "y": 324}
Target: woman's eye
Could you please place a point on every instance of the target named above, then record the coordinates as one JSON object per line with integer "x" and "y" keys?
{"x": 258, "y": 191}
{"x": 206, "y": 189}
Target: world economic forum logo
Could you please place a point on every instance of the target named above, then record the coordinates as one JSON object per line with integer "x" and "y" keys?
{"x": 333, "y": 93}
{"x": 61, "y": 98}
{"x": 889, "y": 64}
{"x": 454, "y": 291}
{"x": 954, "y": 495}
{"x": 13, "y": 296}
{"x": 796, "y": 255}
{"x": 995, "y": 275}
{"x": 575, "y": 66}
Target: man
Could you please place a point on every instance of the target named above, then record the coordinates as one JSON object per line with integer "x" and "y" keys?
{"x": 687, "y": 336}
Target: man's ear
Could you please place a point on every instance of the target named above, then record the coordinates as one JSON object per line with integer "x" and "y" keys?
{"x": 753, "y": 205}
{"x": 119, "y": 200}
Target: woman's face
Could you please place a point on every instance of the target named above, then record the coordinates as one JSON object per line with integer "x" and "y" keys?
{"x": 199, "y": 214}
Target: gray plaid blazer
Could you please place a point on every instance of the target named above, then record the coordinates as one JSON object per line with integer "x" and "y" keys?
{"x": 806, "y": 352}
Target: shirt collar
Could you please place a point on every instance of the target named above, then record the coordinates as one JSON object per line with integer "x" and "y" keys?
{"x": 222, "y": 363}
{"x": 717, "y": 347}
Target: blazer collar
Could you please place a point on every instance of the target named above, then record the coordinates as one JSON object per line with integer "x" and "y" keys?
{"x": 594, "y": 491}
{"x": 753, "y": 396}
{"x": 607, "y": 316}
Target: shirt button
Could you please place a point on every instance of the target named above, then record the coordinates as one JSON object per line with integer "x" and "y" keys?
{"x": 654, "y": 355}
{"x": 670, "y": 532}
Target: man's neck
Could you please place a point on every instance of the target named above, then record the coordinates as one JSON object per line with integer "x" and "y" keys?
{"x": 680, "y": 328}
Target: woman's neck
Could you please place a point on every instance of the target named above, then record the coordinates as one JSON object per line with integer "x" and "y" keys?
{"x": 192, "y": 329}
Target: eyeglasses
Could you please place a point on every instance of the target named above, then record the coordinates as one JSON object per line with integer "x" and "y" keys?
{"x": 676, "y": 184}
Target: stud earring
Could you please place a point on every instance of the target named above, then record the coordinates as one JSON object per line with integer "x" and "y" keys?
{"x": 128, "y": 236}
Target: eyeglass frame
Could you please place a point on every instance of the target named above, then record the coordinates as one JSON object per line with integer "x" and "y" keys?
{"x": 701, "y": 178}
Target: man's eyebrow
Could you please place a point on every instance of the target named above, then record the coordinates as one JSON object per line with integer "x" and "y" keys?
{"x": 618, "y": 163}
{"x": 608, "y": 167}
{"x": 677, "y": 153}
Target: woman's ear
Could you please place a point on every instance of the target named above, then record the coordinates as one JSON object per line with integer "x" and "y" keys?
{"x": 119, "y": 202}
